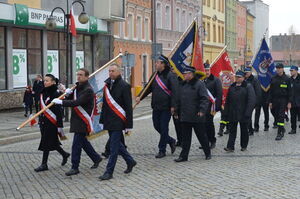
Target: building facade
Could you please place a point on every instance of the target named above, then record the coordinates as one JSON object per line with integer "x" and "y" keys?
{"x": 172, "y": 19}
{"x": 249, "y": 50}
{"x": 285, "y": 49}
{"x": 231, "y": 30}
{"x": 134, "y": 36}
{"x": 28, "y": 48}
{"x": 241, "y": 21}
{"x": 214, "y": 25}
{"x": 261, "y": 24}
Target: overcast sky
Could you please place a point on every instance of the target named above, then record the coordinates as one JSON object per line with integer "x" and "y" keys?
{"x": 283, "y": 14}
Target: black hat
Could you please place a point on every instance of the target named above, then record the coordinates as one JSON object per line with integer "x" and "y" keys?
{"x": 240, "y": 73}
{"x": 188, "y": 69}
{"x": 206, "y": 65}
{"x": 294, "y": 68}
{"x": 248, "y": 69}
{"x": 279, "y": 65}
{"x": 164, "y": 59}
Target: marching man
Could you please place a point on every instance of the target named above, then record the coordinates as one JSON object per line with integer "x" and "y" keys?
{"x": 116, "y": 117}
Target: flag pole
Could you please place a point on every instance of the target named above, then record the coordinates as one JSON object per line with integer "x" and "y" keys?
{"x": 171, "y": 54}
{"x": 215, "y": 60}
{"x": 63, "y": 95}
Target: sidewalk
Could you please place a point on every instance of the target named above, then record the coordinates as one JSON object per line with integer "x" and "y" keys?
{"x": 10, "y": 120}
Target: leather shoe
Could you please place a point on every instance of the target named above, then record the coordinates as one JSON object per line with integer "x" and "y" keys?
{"x": 43, "y": 167}
{"x": 65, "y": 159}
{"x": 130, "y": 167}
{"x": 72, "y": 172}
{"x": 256, "y": 130}
{"x": 226, "y": 132}
{"x": 96, "y": 164}
{"x": 106, "y": 176}
{"x": 228, "y": 149}
{"x": 105, "y": 154}
{"x": 292, "y": 132}
{"x": 208, "y": 157}
{"x": 160, "y": 155}
{"x": 266, "y": 129}
{"x": 178, "y": 144}
{"x": 243, "y": 149}
{"x": 180, "y": 159}
{"x": 173, "y": 146}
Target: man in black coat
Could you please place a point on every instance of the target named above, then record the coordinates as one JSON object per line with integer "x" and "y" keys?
{"x": 82, "y": 101}
{"x": 193, "y": 100}
{"x": 214, "y": 85}
{"x": 295, "y": 92}
{"x": 280, "y": 98}
{"x": 238, "y": 108}
{"x": 37, "y": 88}
{"x": 164, "y": 99}
{"x": 250, "y": 79}
{"x": 116, "y": 117}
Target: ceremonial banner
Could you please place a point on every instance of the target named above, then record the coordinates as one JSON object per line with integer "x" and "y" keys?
{"x": 222, "y": 69}
{"x": 264, "y": 65}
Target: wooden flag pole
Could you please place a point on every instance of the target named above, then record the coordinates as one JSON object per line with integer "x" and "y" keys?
{"x": 63, "y": 95}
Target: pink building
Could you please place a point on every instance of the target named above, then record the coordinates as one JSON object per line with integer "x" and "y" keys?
{"x": 241, "y": 23}
{"x": 172, "y": 19}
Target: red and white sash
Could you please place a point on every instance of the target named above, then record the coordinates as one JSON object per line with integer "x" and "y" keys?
{"x": 213, "y": 102}
{"x": 84, "y": 116}
{"x": 50, "y": 115}
{"x": 115, "y": 107}
{"x": 162, "y": 85}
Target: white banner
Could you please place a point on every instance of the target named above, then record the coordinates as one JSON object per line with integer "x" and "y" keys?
{"x": 79, "y": 60}
{"x": 53, "y": 63}
{"x": 19, "y": 68}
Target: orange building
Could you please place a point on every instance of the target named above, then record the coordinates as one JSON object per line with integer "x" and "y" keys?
{"x": 134, "y": 36}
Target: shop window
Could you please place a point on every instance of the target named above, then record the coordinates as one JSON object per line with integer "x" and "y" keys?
{"x": 103, "y": 49}
{"x": 79, "y": 42}
{"x": 52, "y": 38}
{"x": 2, "y": 59}
{"x": 19, "y": 38}
{"x": 88, "y": 53}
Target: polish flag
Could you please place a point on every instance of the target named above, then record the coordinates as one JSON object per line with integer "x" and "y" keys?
{"x": 72, "y": 23}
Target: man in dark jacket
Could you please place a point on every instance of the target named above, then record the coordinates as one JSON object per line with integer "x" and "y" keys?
{"x": 82, "y": 101}
{"x": 164, "y": 97}
{"x": 116, "y": 117}
{"x": 238, "y": 108}
{"x": 250, "y": 79}
{"x": 37, "y": 88}
{"x": 193, "y": 100}
{"x": 295, "y": 92}
{"x": 280, "y": 98}
{"x": 214, "y": 85}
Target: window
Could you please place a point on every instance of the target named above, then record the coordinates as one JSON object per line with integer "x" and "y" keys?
{"x": 177, "y": 20}
{"x": 121, "y": 29}
{"x": 219, "y": 5}
{"x": 130, "y": 26}
{"x": 168, "y": 18}
{"x": 139, "y": 28}
{"x": 190, "y": 18}
{"x": 214, "y": 4}
{"x": 2, "y": 59}
{"x": 103, "y": 48}
{"x": 204, "y": 2}
{"x": 208, "y": 31}
{"x": 145, "y": 70}
{"x": 158, "y": 16}
{"x": 222, "y": 34}
{"x": 52, "y": 40}
{"x": 219, "y": 34}
{"x": 88, "y": 53}
{"x": 208, "y": 3}
{"x": 19, "y": 38}
{"x": 146, "y": 29}
{"x": 214, "y": 33}
{"x": 183, "y": 21}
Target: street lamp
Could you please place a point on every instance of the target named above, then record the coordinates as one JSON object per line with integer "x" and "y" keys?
{"x": 51, "y": 25}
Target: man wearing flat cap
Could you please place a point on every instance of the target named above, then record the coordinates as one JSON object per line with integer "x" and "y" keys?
{"x": 193, "y": 102}
{"x": 164, "y": 101}
{"x": 238, "y": 108}
{"x": 295, "y": 92}
{"x": 280, "y": 98}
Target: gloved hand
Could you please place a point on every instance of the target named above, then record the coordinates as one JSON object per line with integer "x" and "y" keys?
{"x": 57, "y": 101}
{"x": 68, "y": 91}
{"x": 60, "y": 130}
{"x": 127, "y": 131}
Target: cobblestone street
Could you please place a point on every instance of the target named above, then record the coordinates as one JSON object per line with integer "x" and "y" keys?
{"x": 268, "y": 169}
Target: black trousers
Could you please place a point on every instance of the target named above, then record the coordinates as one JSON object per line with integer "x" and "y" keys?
{"x": 178, "y": 130}
{"x": 210, "y": 128}
{"x": 37, "y": 105}
{"x": 107, "y": 145}
{"x": 278, "y": 108}
{"x": 295, "y": 111}
{"x": 46, "y": 154}
{"x": 233, "y": 133}
{"x": 28, "y": 107}
{"x": 199, "y": 129}
{"x": 265, "y": 108}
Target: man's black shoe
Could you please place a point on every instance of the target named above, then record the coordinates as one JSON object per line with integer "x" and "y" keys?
{"x": 178, "y": 144}
{"x": 227, "y": 131}
{"x": 130, "y": 167}
{"x": 208, "y": 157}
{"x": 251, "y": 133}
{"x": 228, "y": 149}
{"x": 106, "y": 176}
{"x": 200, "y": 147}
{"x": 160, "y": 155}
{"x": 212, "y": 145}
{"x": 266, "y": 129}
{"x": 243, "y": 149}
{"x": 96, "y": 164}
{"x": 72, "y": 172}
{"x": 105, "y": 154}
{"x": 292, "y": 132}
{"x": 256, "y": 129}
{"x": 43, "y": 167}
{"x": 65, "y": 159}
{"x": 180, "y": 159}
{"x": 173, "y": 146}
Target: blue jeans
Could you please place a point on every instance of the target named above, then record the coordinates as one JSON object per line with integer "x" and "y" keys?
{"x": 161, "y": 121}
{"x": 116, "y": 148}
{"x": 80, "y": 142}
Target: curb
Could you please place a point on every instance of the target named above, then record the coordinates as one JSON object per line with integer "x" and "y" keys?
{"x": 36, "y": 135}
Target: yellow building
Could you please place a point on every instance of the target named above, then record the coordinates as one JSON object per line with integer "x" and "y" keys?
{"x": 29, "y": 3}
{"x": 213, "y": 22}
{"x": 250, "y": 38}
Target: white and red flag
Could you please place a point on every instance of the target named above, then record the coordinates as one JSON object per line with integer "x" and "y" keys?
{"x": 72, "y": 24}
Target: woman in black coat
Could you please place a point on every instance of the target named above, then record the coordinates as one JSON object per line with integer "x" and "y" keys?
{"x": 28, "y": 100}
{"x": 50, "y": 123}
